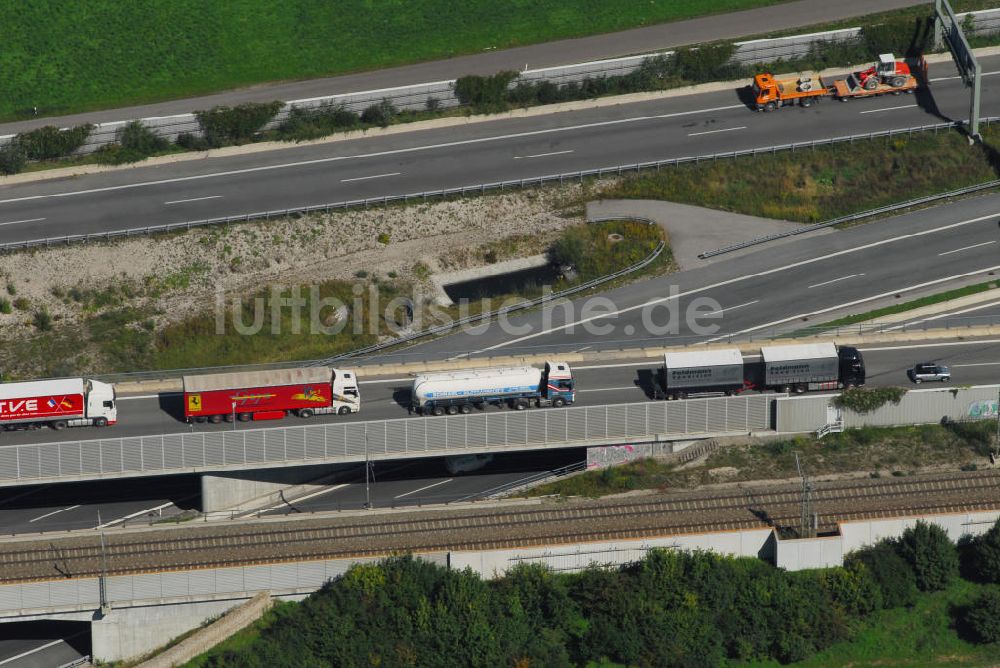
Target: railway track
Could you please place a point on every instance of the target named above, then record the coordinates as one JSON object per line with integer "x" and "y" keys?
{"x": 493, "y": 528}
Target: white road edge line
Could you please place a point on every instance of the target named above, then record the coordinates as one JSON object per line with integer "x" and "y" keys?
{"x": 373, "y": 176}
{"x": 731, "y": 308}
{"x": 959, "y": 366}
{"x": 18, "y": 222}
{"x": 542, "y": 155}
{"x": 423, "y": 488}
{"x": 939, "y": 316}
{"x": 135, "y": 514}
{"x": 737, "y": 279}
{"x": 193, "y": 199}
{"x": 712, "y": 132}
{"x": 325, "y": 490}
{"x": 875, "y": 111}
{"x": 609, "y": 389}
{"x": 836, "y": 280}
{"x": 375, "y": 154}
{"x": 54, "y": 512}
{"x": 31, "y": 651}
{"x": 985, "y": 74}
{"x": 959, "y": 250}
{"x": 855, "y": 302}
{"x": 929, "y": 345}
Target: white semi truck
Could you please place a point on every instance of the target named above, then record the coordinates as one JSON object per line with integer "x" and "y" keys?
{"x": 519, "y": 387}
{"x": 57, "y": 403}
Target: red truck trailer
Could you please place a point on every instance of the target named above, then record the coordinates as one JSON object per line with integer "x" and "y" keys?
{"x": 269, "y": 395}
{"x": 58, "y": 403}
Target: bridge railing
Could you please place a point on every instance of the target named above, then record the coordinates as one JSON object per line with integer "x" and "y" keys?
{"x": 384, "y": 439}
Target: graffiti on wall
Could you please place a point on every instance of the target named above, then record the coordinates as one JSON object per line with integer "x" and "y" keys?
{"x": 987, "y": 408}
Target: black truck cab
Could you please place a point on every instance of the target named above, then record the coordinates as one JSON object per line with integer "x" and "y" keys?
{"x": 852, "y": 366}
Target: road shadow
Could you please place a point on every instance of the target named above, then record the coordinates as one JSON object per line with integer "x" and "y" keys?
{"x": 173, "y": 405}
{"x": 648, "y": 380}
{"x": 401, "y": 395}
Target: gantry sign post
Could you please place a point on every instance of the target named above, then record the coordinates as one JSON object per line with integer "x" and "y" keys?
{"x": 968, "y": 66}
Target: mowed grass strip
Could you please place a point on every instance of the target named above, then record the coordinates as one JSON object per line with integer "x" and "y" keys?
{"x": 813, "y": 185}
{"x": 73, "y": 56}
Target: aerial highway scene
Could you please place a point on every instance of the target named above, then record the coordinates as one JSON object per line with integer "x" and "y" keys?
{"x": 500, "y": 334}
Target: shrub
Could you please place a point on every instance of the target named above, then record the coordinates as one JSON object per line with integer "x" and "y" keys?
{"x": 42, "y": 321}
{"x": 192, "y": 142}
{"x": 135, "y": 142}
{"x": 49, "y": 142}
{"x": 5, "y": 306}
{"x": 980, "y": 556}
{"x": 11, "y": 289}
{"x": 383, "y": 238}
{"x": 13, "y": 157}
{"x": 868, "y": 399}
{"x": 484, "y": 94}
{"x": 931, "y": 554}
{"x": 981, "y": 619}
{"x": 381, "y": 114}
{"x": 432, "y": 105}
{"x": 892, "y": 574}
{"x": 224, "y": 126}
{"x": 318, "y": 121}
{"x": 22, "y": 304}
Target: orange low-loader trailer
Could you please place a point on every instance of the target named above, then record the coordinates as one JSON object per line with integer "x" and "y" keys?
{"x": 771, "y": 93}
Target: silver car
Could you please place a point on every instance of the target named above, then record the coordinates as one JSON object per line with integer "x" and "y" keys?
{"x": 929, "y": 371}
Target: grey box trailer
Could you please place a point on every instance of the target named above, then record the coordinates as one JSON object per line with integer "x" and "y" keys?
{"x": 812, "y": 366}
{"x": 701, "y": 373}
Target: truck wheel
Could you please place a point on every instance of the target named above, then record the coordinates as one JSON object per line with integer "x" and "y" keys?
{"x": 452, "y": 410}
{"x": 343, "y": 410}
{"x": 520, "y": 405}
{"x": 787, "y": 389}
{"x": 215, "y": 419}
{"x": 199, "y": 419}
{"x": 100, "y": 422}
{"x": 305, "y": 413}
{"x": 229, "y": 418}
{"x": 770, "y": 106}
{"x": 438, "y": 410}
{"x": 558, "y": 402}
{"x": 244, "y": 417}
{"x": 465, "y": 409}
{"x": 806, "y": 102}
{"x": 59, "y": 425}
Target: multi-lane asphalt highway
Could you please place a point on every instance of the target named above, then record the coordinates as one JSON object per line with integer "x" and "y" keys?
{"x": 464, "y": 155}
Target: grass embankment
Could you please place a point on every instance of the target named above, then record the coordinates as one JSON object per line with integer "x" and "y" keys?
{"x": 104, "y": 53}
{"x": 880, "y": 451}
{"x": 120, "y": 326}
{"x": 911, "y": 305}
{"x": 814, "y": 185}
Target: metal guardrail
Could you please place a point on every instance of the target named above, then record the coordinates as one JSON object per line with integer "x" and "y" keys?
{"x": 383, "y": 439}
{"x": 805, "y": 229}
{"x": 479, "y": 189}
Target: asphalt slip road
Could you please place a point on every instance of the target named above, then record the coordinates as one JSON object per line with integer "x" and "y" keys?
{"x": 458, "y": 156}
{"x": 564, "y": 52}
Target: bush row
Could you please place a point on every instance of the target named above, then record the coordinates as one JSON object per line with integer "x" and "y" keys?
{"x": 672, "y": 608}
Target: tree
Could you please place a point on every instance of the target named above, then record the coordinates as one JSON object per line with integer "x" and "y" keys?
{"x": 892, "y": 574}
{"x": 931, "y": 554}
{"x": 981, "y": 556}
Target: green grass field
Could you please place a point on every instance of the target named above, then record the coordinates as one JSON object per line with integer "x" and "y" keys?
{"x": 74, "y": 56}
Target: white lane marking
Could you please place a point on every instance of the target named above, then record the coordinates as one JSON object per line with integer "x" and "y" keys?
{"x": 836, "y": 280}
{"x": 542, "y": 155}
{"x": 325, "y": 490}
{"x": 875, "y": 111}
{"x": 929, "y": 345}
{"x": 135, "y": 514}
{"x": 18, "y": 222}
{"x": 959, "y": 366}
{"x": 31, "y": 651}
{"x": 367, "y": 178}
{"x": 739, "y": 279}
{"x": 423, "y": 488}
{"x": 193, "y": 199}
{"x": 854, "y": 303}
{"x": 963, "y": 248}
{"x": 54, "y": 512}
{"x": 375, "y": 154}
{"x": 609, "y": 389}
{"x": 731, "y": 308}
{"x": 985, "y": 74}
{"x": 712, "y": 132}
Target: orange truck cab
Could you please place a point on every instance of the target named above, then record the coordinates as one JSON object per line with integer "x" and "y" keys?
{"x": 770, "y": 92}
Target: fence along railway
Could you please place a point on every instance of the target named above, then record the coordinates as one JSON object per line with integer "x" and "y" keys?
{"x": 273, "y": 541}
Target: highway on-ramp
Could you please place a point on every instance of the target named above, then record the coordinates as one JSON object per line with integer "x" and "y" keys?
{"x": 456, "y": 156}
